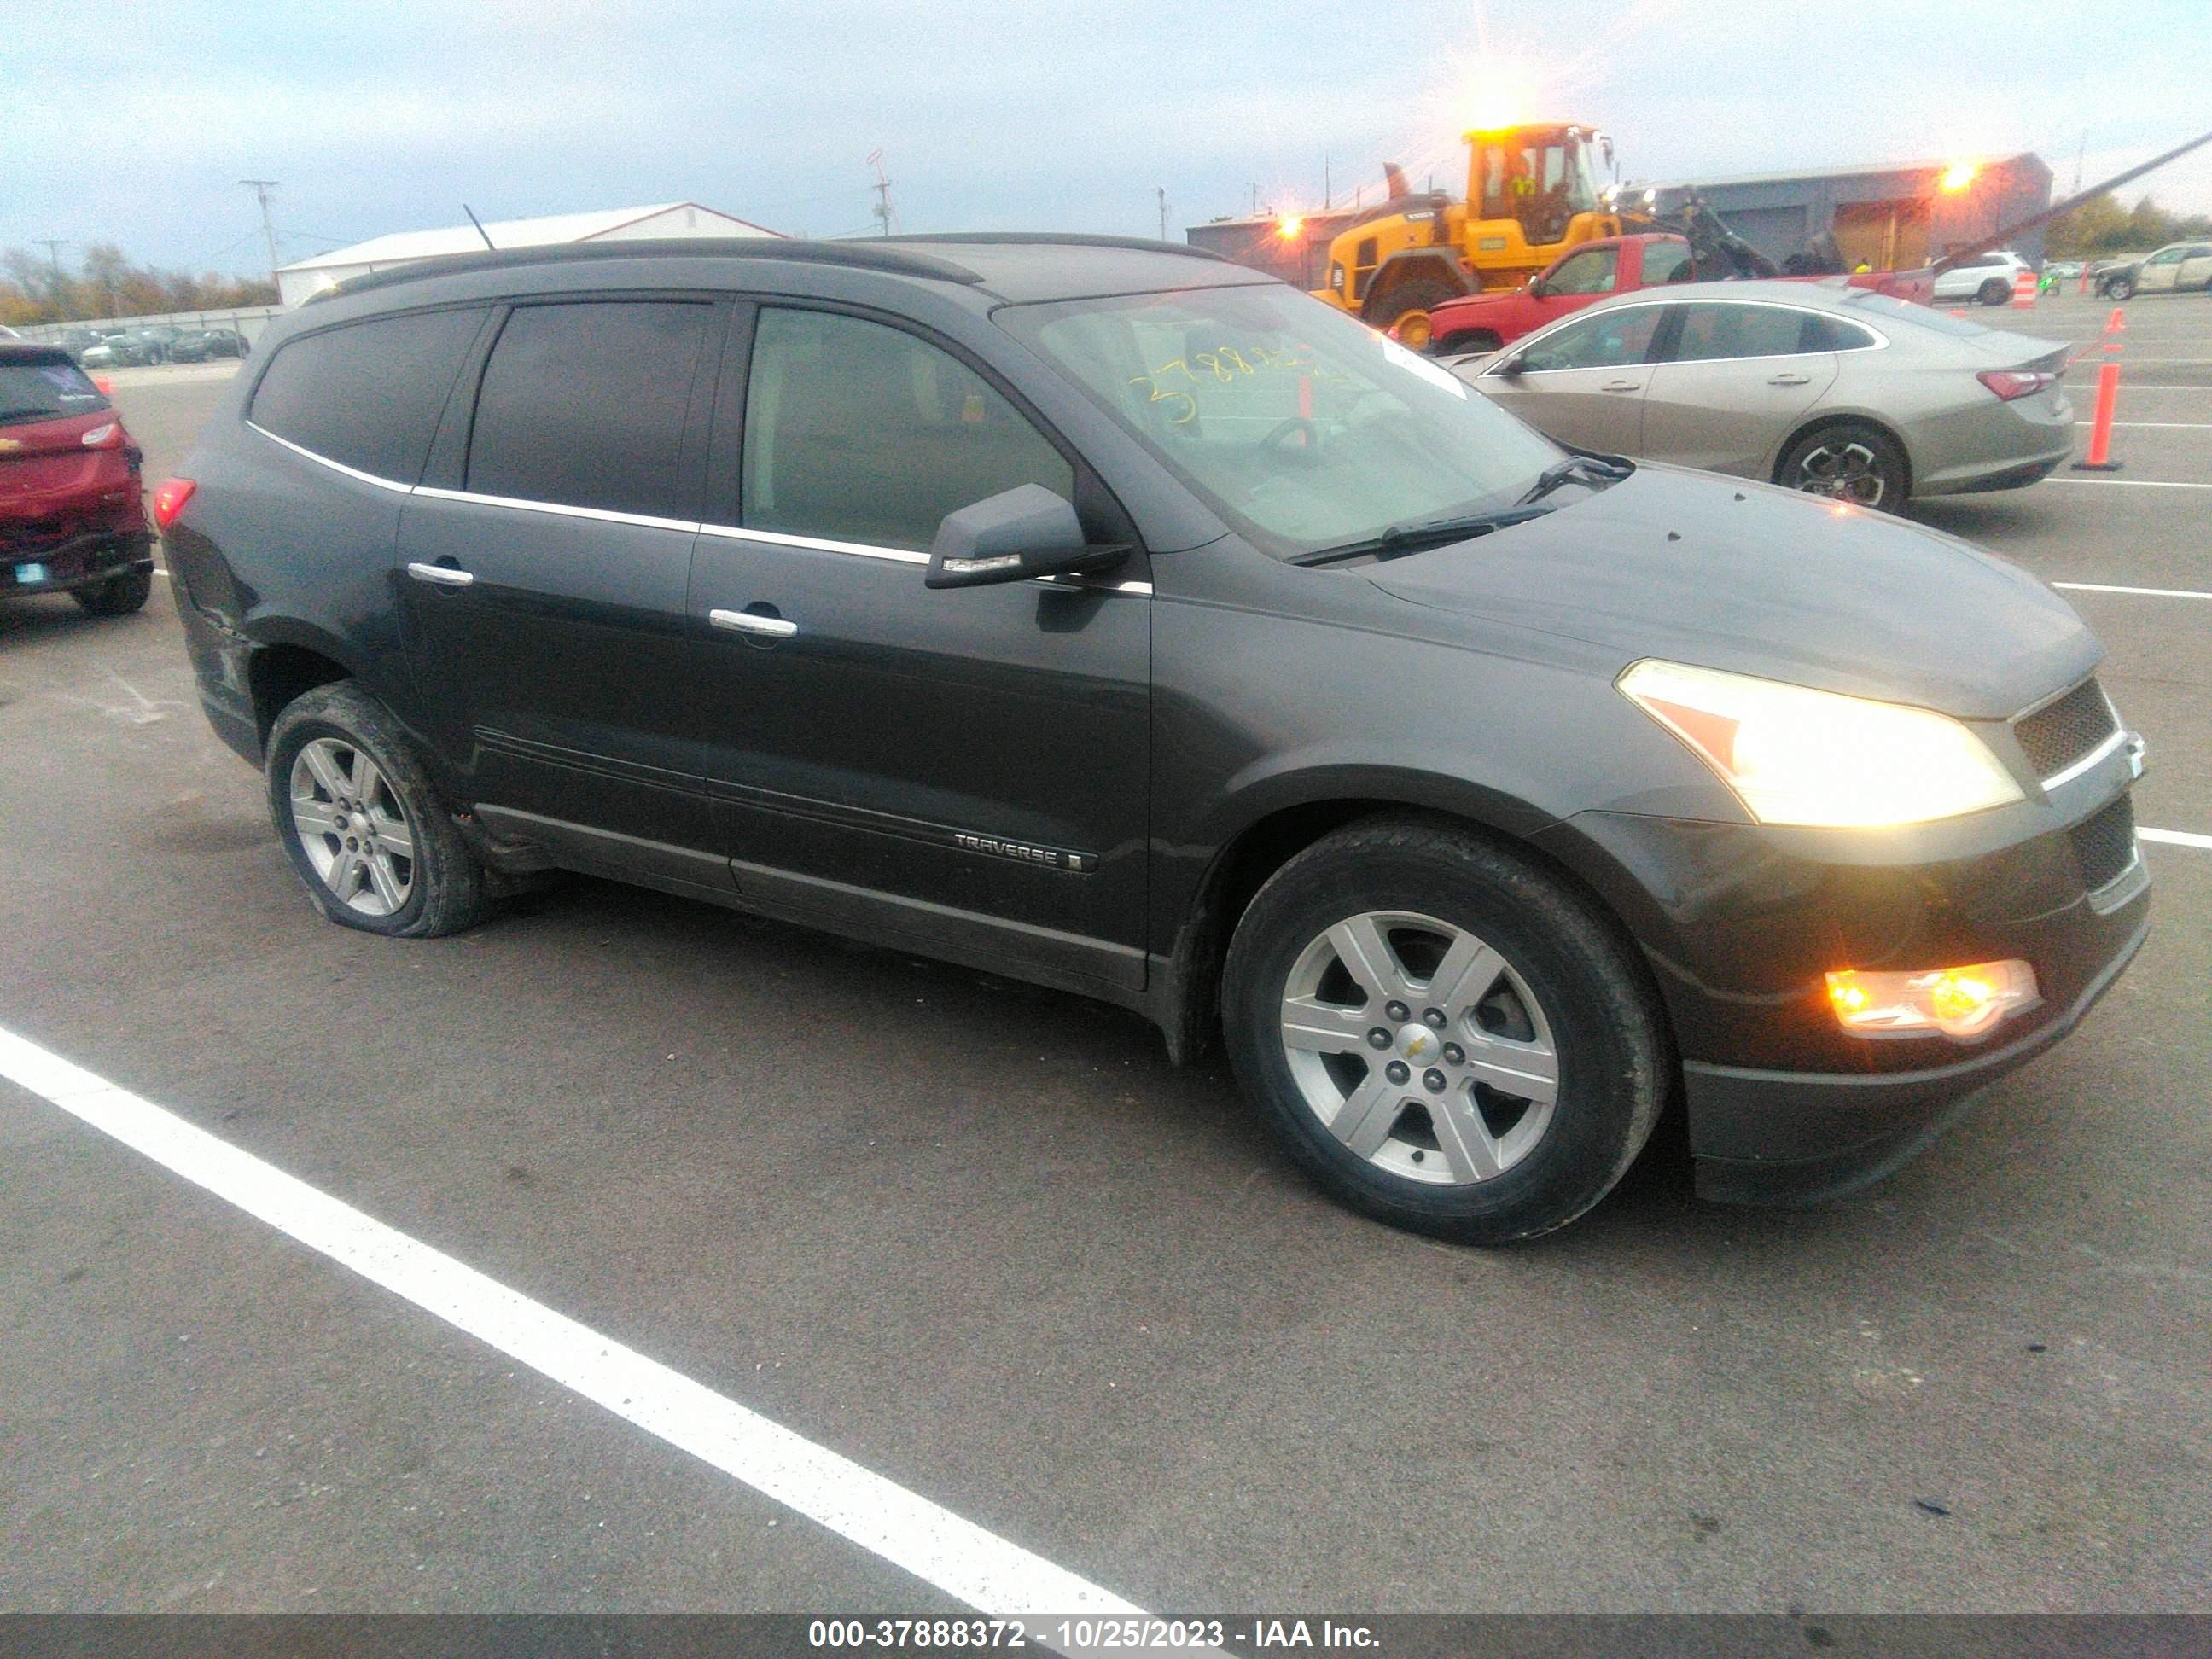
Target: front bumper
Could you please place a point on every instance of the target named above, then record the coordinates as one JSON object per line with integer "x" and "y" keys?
{"x": 80, "y": 562}
{"x": 1740, "y": 925}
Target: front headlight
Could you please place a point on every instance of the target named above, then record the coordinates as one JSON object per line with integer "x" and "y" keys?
{"x": 1800, "y": 756}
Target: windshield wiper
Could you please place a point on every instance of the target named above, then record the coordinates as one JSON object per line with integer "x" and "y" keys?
{"x": 1425, "y": 532}
{"x": 1575, "y": 468}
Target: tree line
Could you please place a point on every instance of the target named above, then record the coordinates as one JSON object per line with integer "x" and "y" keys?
{"x": 36, "y": 289}
{"x": 2100, "y": 226}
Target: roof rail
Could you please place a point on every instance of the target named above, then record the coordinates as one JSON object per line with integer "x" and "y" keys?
{"x": 1064, "y": 239}
{"x": 870, "y": 256}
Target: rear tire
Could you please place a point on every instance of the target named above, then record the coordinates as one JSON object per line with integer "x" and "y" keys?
{"x": 1850, "y": 462}
{"x": 1529, "y": 1053}
{"x": 118, "y": 596}
{"x": 1994, "y": 292}
{"x": 366, "y": 832}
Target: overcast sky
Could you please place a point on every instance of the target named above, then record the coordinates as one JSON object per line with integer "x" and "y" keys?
{"x": 129, "y": 121}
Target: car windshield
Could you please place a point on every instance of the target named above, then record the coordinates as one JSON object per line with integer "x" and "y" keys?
{"x": 1305, "y": 429}
{"x": 45, "y": 391}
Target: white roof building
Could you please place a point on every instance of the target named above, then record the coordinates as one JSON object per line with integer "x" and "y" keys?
{"x": 296, "y": 282}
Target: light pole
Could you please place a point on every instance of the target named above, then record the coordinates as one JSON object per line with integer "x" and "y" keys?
{"x": 261, "y": 187}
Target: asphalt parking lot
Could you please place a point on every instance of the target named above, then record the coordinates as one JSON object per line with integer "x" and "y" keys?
{"x": 982, "y": 1240}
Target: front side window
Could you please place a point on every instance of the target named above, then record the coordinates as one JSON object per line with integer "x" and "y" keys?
{"x": 1590, "y": 271}
{"x": 1610, "y": 339}
{"x": 584, "y": 405}
{"x": 1711, "y": 332}
{"x": 2170, "y": 256}
{"x": 1299, "y": 425}
{"x": 367, "y": 395}
{"x": 859, "y": 432}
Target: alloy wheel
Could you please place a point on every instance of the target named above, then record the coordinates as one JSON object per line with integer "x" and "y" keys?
{"x": 1420, "y": 1048}
{"x": 1844, "y": 471}
{"x": 352, "y": 827}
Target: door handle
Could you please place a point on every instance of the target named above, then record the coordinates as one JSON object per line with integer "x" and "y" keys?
{"x": 744, "y": 621}
{"x": 1790, "y": 379}
{"x": 1622, "y": 386}
{"x": 440, "y": 575}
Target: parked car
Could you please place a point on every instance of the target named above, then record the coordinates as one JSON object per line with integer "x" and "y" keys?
{"x": 115, "y": 351}
{"x": 206, "y": 343}
{"x": 1827, "y": 389}
{"x": 1602, "y": 270}
{"x": 1105, "y": 615}
{"x": 1986, "y": 278}
{"x": 71, "y": 516}
{"x": 1580, "y": 278}
{"x": 2061, "y": 270}
{"x": 2178, "y": 267}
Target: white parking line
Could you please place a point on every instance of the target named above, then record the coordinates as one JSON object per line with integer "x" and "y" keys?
{"x": 2176, "y": 838}
{"x": 2168, "y": 426}
{"x": 2136, "y": 483}
{"x": 2148, "y": 592}
{"x": 936, "y": 1546}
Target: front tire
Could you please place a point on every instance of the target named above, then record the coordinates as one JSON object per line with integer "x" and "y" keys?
{"x": 1421, "y": 294}
{"x": 366, "y": 831}
{"x": 1443, "y": 1035}
{"x": 2119, "y": 287}
{"x": 118, "y": 596}
{"x": 1853, "y": 462}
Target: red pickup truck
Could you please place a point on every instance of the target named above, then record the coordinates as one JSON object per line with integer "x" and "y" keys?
{"x": 1591, "y": 271}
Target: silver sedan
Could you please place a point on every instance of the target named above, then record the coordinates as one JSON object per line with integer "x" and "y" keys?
{"x": 1835, "y": 390}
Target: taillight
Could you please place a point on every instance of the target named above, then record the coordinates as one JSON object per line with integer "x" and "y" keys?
{"x": 103, "y": 437}
{"x": 2011, "y": 383}
{"x": 169, "y": 500}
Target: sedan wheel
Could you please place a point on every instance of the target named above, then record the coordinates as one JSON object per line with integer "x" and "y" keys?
{"x": 1853, "y": 463}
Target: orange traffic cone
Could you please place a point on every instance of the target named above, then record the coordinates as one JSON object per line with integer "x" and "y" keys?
{"x": 2099, "y": 458}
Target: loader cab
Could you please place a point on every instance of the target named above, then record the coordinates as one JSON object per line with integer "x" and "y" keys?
{"x": 1540, "y": 179}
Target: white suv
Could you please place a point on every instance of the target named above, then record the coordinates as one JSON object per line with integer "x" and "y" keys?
{"x": 1988, "y": 277}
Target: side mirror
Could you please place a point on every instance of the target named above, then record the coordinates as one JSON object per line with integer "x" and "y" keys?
{"x": 1511, "y": 365}
{"x": 1015, "y": 536}
{"x": 1536, "y": 288}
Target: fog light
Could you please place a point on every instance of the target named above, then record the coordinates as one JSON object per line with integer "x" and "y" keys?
{"x": 1959, "y": 1002}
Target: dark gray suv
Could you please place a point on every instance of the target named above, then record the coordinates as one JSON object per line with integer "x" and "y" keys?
{"x": 1114, "y": 617}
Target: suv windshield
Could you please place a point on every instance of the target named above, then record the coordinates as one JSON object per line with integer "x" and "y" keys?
{"x": 45, "y": 391}
{"x": 1305, "y": 429}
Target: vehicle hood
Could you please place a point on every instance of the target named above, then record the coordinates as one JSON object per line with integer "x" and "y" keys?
{"x": 1754, "y": 579}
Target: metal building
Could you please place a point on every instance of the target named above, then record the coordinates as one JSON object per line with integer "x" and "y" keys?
{"x": 294, "y": 282}
{"x": 1293, "y": 247}
{"x": 1889, "y": 215}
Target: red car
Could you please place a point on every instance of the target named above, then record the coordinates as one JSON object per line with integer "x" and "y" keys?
{"x": 1591, "y": 271}
{"x": 72, "y": 512}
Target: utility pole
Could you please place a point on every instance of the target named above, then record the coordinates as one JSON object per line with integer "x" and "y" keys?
{"x": 261, "y": 187}
{"x": 1161, "y": 191}
{"x": 2079, "y": 150}
{"x": 1326, "y": 201}
{"x": 53, "y": 245}
{"x": 883, "y": 188}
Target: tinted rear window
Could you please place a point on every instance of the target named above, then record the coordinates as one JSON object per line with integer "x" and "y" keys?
{"x": 367, "y": 395}
{"x": 45, "y": 391}
{"x": 583, "y": 405}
